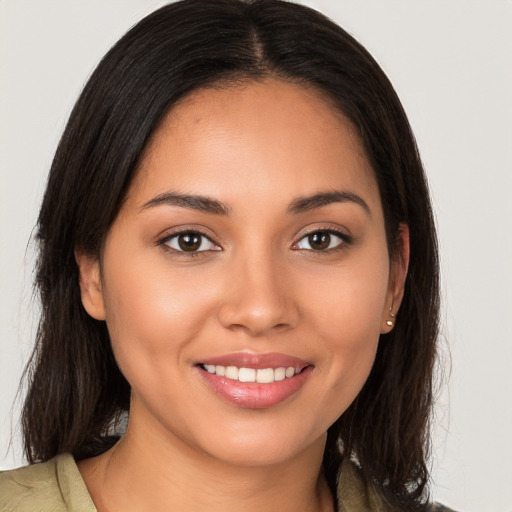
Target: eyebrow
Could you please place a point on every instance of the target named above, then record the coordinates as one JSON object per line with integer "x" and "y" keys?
{"x": 194, "y": 202}
{"x": 213, "y": 206}
{"x": 304, "y": 204}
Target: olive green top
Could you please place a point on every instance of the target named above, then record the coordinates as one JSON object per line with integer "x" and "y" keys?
{"x": 53, "y": 486}
{"x": 57, "y": 486}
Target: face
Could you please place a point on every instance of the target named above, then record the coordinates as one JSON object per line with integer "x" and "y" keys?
{"x": 246, "y": 279}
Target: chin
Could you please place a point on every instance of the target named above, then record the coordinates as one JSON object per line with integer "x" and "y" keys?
{"x": 258, "y": 450}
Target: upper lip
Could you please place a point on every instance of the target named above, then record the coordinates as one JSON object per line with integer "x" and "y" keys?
{"x": 256, "y": 361}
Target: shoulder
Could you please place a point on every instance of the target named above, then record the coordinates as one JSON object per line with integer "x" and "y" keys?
{"x": 30, "y": 487}
{"x": 354, "y": 495}
{"x": 54, "y": 486}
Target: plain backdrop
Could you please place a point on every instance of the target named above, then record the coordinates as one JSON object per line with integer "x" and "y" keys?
{"x": 450, "y": 61}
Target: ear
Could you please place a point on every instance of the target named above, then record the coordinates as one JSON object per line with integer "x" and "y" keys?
{"x": 90, "y": 284}
{"x": 397, "y": 277}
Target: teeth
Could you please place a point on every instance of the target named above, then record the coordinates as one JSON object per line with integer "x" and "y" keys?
{"x": 231, "y": 372}
{"x": 280, "y": 373}
{"x": 247, "y": 375}
{"x": 289, "y": 372}
{"x": 265, "y": 375}
{"x": 262, "y": 375}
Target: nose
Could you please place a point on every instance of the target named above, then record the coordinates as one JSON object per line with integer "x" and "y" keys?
{"x": 258, "y": 298}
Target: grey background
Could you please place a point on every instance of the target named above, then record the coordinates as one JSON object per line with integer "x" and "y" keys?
{"x": 450, "y": 62}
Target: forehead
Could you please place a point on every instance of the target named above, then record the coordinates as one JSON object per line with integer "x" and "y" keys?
{"x": 255, "y": 135}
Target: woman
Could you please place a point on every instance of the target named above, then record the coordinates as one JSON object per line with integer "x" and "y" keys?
{"x": 234, "y": 217}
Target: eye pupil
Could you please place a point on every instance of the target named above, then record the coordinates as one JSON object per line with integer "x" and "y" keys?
{"x": 319, "y": 240}
{"x": 189, "y": 241}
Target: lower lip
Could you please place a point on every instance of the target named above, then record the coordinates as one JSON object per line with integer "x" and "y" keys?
{"x": 253, "y": 395}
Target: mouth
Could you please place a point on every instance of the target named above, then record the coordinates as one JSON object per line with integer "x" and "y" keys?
{"x": 255, "y": 381}
{"x": 259, "y": 375}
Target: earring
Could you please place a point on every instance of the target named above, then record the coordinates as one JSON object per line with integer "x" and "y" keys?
{"x": 390, "y": 322}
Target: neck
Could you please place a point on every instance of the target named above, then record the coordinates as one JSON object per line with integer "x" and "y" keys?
{"x": 149, "y": 470}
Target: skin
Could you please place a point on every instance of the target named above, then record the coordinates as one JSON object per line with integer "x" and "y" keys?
{"x": 258, "y": 288}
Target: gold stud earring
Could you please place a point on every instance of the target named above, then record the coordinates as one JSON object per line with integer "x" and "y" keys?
{"x": 390, "y": 322}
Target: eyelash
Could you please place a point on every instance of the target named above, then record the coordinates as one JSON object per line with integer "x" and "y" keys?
{"x": 164, "y": 242}
{"x": 345, "y": 240}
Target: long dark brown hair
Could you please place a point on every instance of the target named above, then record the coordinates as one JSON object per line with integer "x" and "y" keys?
{"x": 76, "y": 391}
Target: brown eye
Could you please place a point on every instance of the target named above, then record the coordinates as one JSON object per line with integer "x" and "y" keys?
{"x": 319, "y": 241}
{"x": 322, "y": 241}
{"x": 190, "y": 241}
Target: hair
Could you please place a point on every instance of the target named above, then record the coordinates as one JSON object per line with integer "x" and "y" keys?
{"x": 76, "y": 391}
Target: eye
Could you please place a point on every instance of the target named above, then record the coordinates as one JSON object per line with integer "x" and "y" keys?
{"x": 189, "y": 241}
{"x": 321, "y": 241}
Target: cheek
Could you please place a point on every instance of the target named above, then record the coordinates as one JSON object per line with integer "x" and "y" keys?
{"x": 351, "y": 358}
{"x": 347, "y": 321}
{"x": 348, "y": 303}
{"x": 151, "y": 315}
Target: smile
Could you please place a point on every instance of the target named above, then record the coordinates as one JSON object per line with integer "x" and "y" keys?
{"x": 255, "y": 381}
{"x": 260, "y": 375}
